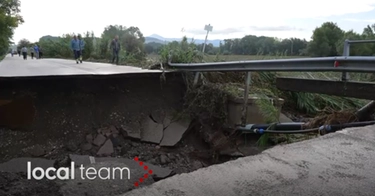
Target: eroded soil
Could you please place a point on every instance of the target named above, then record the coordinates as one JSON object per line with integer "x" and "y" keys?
{"x": 68, "y": 110}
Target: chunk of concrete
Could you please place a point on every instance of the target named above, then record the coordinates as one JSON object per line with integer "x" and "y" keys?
{"x": 81, "y": 159}
{"x": 158, "y": 116}
{"x": 99, "y": 140}
{"x": 131, "y": 131}
{"x": 86, "y": 146}
{"x": 106, "y": 149}
{"x": 20, "y": 164}
{"x": 174, "y": 132}
{"x": 284, "y": 119}
{"x": 151, "y": 131}
{"x": 89, "y": 138}
{"x": 104, "y": 130}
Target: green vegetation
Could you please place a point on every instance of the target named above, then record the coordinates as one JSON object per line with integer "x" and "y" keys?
{"x": 9, "y": 20}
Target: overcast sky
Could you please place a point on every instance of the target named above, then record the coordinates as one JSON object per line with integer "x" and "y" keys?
{"x": 167, "y": 18}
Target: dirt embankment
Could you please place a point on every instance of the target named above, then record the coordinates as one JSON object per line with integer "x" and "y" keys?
{"x": 68, "y": 109}
{"x": 75, "y": 115}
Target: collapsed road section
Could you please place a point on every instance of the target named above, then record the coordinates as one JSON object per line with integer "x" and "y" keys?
{"x": 65, "y": 110}
{"x": 54, "y": 119}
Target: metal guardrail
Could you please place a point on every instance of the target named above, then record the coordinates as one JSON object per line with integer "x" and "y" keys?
{"x": 336, "y": 64}
{"x": 344, "y": 64}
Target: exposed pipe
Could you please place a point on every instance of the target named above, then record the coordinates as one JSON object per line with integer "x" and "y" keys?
{"x": 261, "y": 131}
{"x": 293, "y": 128}
{"x": 246, "y": 98}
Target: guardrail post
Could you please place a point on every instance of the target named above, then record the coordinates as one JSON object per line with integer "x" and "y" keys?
{"x": 246, "y": 98}
{"x": 345, "y": 75}
{"x": 196, "y": 78}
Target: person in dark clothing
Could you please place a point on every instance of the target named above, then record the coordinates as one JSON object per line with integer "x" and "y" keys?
{"x": 32, "y": 52}
{"x": 75, "y": 47}
{"x": 19, "y": 52}
{"x": 116, "y": 47}
{"x": 40, "y": 52}
{"x": 24, "y": 53}
{"x": 81, "y": 46}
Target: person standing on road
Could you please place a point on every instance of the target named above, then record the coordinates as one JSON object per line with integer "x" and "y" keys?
{"x": 32, "y": 52}
{"x": 116, "y": 47}
{"x": 24, "y": 52}
{"x": 81, "y": 47}
{"x": 40, "y": 52}
{"x": 19, "y": 52}
{"x": 74, "y": 45}
{"x": 36, "y": 51}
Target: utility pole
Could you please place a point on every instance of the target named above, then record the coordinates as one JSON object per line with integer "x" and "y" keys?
{"x": 207, "y": 28}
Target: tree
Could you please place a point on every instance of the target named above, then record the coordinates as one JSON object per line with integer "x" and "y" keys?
{"x": 324, "y": 40}
{"x": 9, "y": 20}
{"x": 23, "y": 43}
{"x": 131, "y": 39}
{"x": 133, "y": 43}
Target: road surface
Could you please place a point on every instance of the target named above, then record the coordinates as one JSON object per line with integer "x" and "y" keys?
{"x": 336, "y": 164}
{"x": 17, "y": 67}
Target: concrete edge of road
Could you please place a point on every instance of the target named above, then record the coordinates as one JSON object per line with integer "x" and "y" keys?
{"x": 117, "y": 71}
{"x": 98, "y": 76}
{"x": 280, "y": 169}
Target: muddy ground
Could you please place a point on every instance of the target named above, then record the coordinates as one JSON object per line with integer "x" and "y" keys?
{"x": 71, "y": 111}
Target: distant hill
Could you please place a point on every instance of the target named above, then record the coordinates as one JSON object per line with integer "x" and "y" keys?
{"x": 153, "y": 38}
{"x": 159, "y": 39}
{"x": 49, "y": 37}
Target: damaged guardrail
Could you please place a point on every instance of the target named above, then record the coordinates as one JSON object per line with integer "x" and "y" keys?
{"x": 318, "y": 64}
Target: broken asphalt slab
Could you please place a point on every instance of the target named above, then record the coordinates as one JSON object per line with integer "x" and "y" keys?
{"x": 20, "y": 164}
{"x": 151, "y": 131}
{"x": 335, "y": 164}
{"x": 158, "y": 172}
{"x": 132, "y": 131}
{"x": 174, "y": 132}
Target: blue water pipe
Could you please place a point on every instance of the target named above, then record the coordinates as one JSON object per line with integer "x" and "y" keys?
{"x": 297, "y": 127}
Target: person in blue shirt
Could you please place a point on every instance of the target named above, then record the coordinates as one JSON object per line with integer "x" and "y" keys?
{"x": 76, "y": 48}
{"x": 81, "y": 46}
{"x": 36, "y": 50}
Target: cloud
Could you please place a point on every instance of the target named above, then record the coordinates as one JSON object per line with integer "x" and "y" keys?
{"x": 360, "y": 20}
{"x": 266, "y": 16}
{"x": 275, "y": 28}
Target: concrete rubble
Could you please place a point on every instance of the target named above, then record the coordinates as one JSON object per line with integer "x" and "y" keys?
{"x": 106, "y": 149}
{"x": 174, "y": 132}
{"x": 151, "y": 131}
{"x": 158, "y": 128}
{"x": 335, "y": 164}
{"x": 132, "y": 131}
